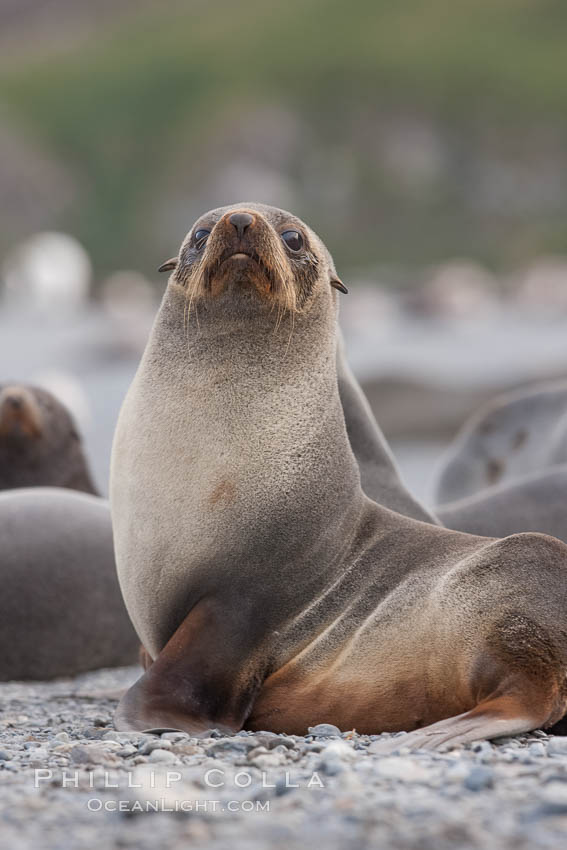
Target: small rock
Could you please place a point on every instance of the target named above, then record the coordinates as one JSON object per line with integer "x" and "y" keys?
{"x": 229, "y": 745}
{"x": 174, "y": 736}
{"x": 557, "y": 746}
{"x": 537, "y": 749}
{"x": 458, "y": 772}
{"x": 62, "y": 736}
{"x": 93, "y": 755}
{"x": 183, "y": 749}
{"x": 324, "y": 730}
{"x": 270, "y": 741}
{"x": 554, "y": 797}
{"x": 159, "y": 755}
{"x": 112, "y": 735}
{"x": 154, "y": 744}
{"x": 479, "y": 778}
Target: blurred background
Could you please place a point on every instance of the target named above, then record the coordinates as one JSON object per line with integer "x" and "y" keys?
{"x": 425, "y": 142}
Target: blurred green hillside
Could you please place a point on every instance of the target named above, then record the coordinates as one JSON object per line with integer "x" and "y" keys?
{"x": 404, "y": 131}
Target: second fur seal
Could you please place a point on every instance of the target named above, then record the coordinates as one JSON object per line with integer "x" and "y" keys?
{"x": 61, "y": 612}
{"x": 40, "y": 445}
{"x": 268, "y": 589}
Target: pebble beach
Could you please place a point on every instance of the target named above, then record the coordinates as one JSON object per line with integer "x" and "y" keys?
{"x": 68, "y": 779}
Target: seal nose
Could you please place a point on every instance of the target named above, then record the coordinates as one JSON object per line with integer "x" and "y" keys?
{"x": 240, "y": 221}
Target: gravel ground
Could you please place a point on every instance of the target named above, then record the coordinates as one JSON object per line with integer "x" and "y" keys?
{"x": 60, "y": 757}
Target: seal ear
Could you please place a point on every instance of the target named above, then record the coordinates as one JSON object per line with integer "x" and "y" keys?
{"x": 338, "y": 284}
{"x": 169, "y": 265}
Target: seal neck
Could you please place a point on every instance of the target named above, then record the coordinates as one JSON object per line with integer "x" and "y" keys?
{"x": 258, "y": 421}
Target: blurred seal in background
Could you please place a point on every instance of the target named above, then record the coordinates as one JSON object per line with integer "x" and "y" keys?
{"x": 536, "y": 502}
{"x": 506, "y": 471}
{"x": 40, "y": 445}
{"x": 515, "y": 434}
{"x": 61, "y": 610}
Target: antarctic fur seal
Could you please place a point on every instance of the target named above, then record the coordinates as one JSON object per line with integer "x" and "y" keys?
{"x": 536, "y": 502}
{"x": 515, "y": 434}
{"x": 61, "y": 611}
{"x": 268, "y": 589}
{"x": 40, "y": 445}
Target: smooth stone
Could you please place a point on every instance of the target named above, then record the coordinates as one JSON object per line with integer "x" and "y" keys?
{"x": 111, "y": 736}
{"x": 229, "y": 745}
{"x": 537, "y": 749}
{"x": 557, "y": 746}
{"x": 158, "y": 755}
{"x": 154, "y": 744}
{"x": 324, "y": 730}
{"x": 174, "y": 736}
{"x": 479, "y": 778}
{"x": 186, "y": 749}
{"x": 62, "y": 736}
{"x": 271, "y": 741}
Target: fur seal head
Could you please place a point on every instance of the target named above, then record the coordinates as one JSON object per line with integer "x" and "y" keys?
{"x": 39, "y": 442}
{"x": 20, "y": 415}
{"x": 256, "y": 252}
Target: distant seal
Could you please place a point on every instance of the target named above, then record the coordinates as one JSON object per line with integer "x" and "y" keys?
{"x": 536, "y": 502}
{"x": 516, "y": 434}
{"x": 40, "y": 445}
{"x": 532, "y": 502}
{"x": 61, "y": 611}
{"x": 268, "y": 589}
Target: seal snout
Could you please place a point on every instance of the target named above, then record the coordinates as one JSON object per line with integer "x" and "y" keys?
{"x": 19, "y": 413}
{"x": 242, "y": 253}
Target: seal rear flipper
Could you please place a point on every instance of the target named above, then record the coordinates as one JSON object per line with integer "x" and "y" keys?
{"x": 200, "y": 680}
{"x": 505, "y": 715}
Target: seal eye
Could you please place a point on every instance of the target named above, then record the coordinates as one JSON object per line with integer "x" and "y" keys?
{"x": 201, "y": 236}
{"x": 293, "y": 239}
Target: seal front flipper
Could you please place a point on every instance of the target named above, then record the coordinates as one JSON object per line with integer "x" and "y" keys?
{"x": 197, "y": 682}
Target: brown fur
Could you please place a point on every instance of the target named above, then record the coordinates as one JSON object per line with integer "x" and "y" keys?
{"x": 270, "y": 590}
{"x": 19, "y": 414}
{"x": 39, "y": 442}
{"x": 263, "y": 265}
